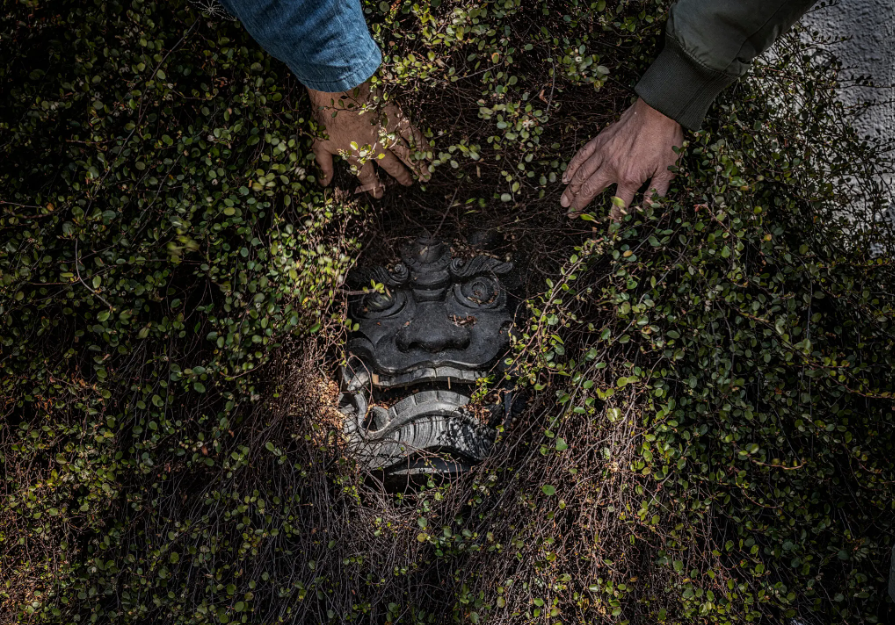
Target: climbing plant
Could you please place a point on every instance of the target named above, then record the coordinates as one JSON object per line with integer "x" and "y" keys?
{"x": 710, "y": 421}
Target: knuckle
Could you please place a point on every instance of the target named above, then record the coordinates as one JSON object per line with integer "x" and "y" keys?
{"x": 581, "y": 180}
{"x": 589, "y": 189}
{"x": 630, "y": 178}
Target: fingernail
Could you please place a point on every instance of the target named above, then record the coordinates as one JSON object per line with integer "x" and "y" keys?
{"x": 565, "y": 180}
{"x": 564, "y": 201}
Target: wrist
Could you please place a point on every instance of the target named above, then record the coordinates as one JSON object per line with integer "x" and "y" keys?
{"x": 653, "y": 116}
{"x": 680, "y": 86}
{"x": 340, "y": 99}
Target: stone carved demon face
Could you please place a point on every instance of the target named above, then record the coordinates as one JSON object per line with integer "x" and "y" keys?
{"x": 440, "y": 325}
{"x": 437, "y": 312}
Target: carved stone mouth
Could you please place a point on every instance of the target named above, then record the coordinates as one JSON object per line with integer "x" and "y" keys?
{"x": 362, "y": 378}
{"x": 426, "y": 430}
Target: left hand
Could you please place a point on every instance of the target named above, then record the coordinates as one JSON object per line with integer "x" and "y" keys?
{"x": 380, "y": 134}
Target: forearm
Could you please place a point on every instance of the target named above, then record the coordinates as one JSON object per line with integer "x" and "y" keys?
{"x": 708, "y": 45}
{"x": 325, "y": 43}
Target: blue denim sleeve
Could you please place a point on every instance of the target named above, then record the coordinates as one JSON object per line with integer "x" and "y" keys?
{"x": 325, "y": 43}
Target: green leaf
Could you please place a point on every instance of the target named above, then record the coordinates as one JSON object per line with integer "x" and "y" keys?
{"x": 548, "y": 490}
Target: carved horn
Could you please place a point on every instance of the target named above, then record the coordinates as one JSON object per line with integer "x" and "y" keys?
{"x": 463, "y": 270}
{"x": 362, "y": 277}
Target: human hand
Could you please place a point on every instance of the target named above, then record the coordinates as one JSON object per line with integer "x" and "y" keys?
{"x": 636, "y": 148}
{"x": 363, "y": 131}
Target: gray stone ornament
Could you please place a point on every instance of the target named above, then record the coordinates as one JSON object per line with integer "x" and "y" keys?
{"x": 440, "y": 324}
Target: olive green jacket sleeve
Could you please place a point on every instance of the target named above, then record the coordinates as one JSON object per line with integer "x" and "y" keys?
{"x": 708, "y": 45}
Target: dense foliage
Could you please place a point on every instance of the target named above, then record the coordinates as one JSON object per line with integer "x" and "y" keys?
{"x": 710, "y": 431}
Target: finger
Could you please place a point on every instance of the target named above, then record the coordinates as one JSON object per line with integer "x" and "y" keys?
{"x": 660, "y": 187}
{"x": 415, "y": 138}
{"x": 579, "y": 159}
{"x": 400, "y": 149}
{"x": 584, "y": 173}
{"x": 591, "y": 188}
{"x": 366, "y": 175}
{"x": 324, "y": 161}
{"x": 392, "y": 164}
{"x": 626, "y": 195}
{"x": 417, "y": 142}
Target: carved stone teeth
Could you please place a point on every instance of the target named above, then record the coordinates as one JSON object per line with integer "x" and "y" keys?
{"x": 429, "y": 374}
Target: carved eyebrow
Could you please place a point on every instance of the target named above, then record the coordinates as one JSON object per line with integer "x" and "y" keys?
{"x": 361, "y": 277}
{"x": 480, "y": 265}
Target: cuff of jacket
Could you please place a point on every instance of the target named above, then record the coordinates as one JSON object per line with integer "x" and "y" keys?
{"x": 367, "y": 61}
{"x": 680, "y": 87}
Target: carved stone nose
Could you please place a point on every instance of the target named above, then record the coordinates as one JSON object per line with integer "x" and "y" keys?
{"x": 431, "y": 331}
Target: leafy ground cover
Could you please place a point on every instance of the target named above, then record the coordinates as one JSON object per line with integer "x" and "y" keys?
{"x": 710, "y": 432}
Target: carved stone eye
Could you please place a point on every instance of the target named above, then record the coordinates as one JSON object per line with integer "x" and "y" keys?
{"x": 480, "y": 292}
{"x": 381, "y": 304}
{"x": 378, "y": 302}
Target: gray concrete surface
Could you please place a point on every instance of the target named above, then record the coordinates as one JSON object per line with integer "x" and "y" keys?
{"x": 861, "y": 34}
{"x": 869, "y": 26}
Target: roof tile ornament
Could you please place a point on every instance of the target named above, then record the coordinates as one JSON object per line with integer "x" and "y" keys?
{"x": 424, "y": 337}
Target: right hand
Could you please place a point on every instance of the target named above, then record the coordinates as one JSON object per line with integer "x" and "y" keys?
{"x": 381, "y": 134}
{"x": 638, "y": 147}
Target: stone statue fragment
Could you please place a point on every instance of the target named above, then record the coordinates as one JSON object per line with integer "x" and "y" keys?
{"x": 434, "y": 327}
